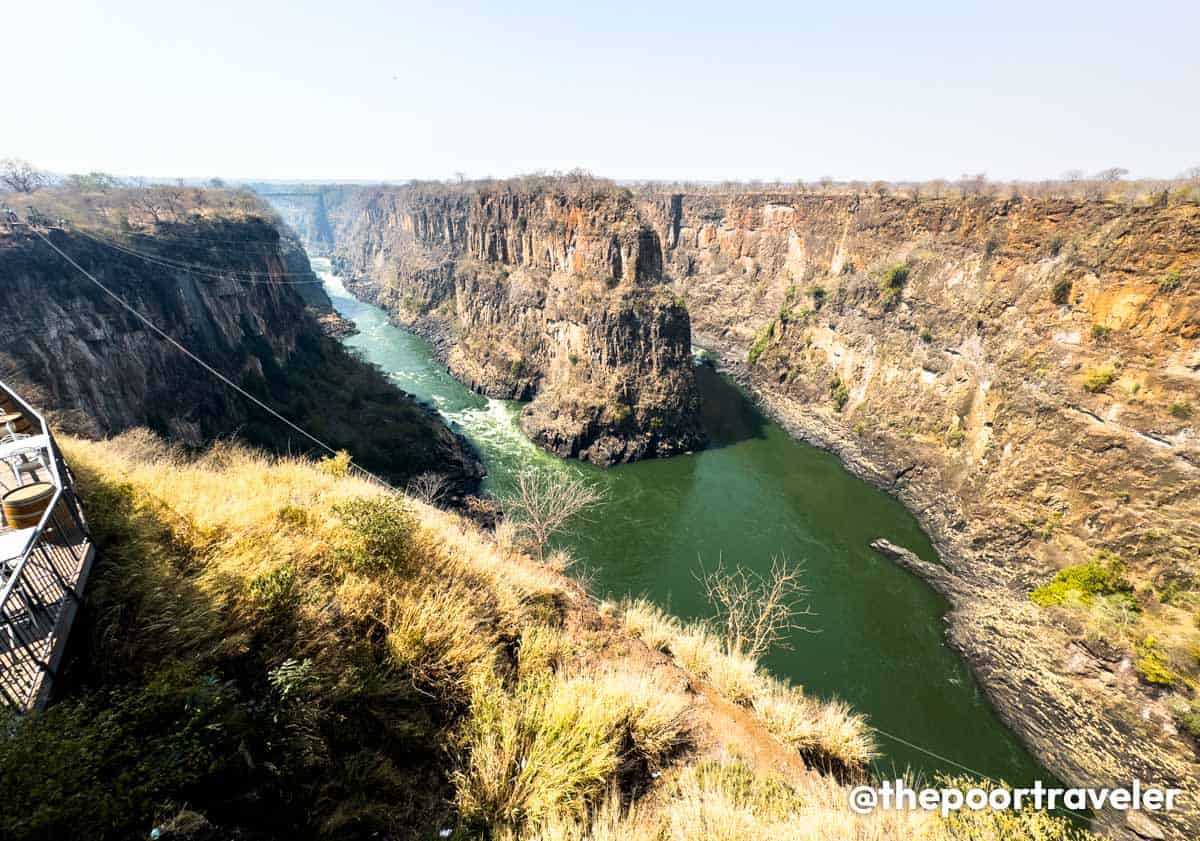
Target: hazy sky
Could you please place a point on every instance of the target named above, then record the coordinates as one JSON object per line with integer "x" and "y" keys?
{"x": 386, "y": 90}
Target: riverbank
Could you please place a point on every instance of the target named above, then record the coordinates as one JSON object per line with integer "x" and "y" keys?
{"x": 1018, "y": 657}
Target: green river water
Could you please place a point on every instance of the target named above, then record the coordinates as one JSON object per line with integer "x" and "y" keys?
{"x": 877, "y": 638}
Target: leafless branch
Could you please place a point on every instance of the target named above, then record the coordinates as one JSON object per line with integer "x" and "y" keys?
{"x": 757, "y": 612}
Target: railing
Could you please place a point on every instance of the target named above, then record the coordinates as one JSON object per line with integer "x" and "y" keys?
{"x": 42, "y": 586}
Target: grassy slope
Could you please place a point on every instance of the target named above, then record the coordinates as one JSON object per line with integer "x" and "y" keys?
{"x": 273, "y": 649}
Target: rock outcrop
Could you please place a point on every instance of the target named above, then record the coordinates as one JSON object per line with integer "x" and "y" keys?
{"x": 552, "y": 293}
{"x": 243, "y": 313}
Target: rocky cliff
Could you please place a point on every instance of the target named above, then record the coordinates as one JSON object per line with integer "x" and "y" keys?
{"x": 243, "y": 313}
{"x": 552, "y": 293}
{"x": 1025, "y": 374}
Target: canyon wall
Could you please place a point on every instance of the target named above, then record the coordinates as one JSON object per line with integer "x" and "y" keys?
{"x": 551, "y": 294}
{"x": 251, "y": 313}
{"x": 1025, "y": 375}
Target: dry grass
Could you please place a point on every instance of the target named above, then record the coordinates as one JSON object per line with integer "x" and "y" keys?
{"x": 828, "y": 734}
{"x": 551, "y": 738}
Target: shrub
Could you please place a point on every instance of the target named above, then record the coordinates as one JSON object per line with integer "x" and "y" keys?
{"x": 1100, "y": 332}
{"x": 839, "y": 394}
{"x": 336, "y": 465}
{"x": 761, "y": 342}
{"x": 955, "y": 435}
{"x": 926, "y": 335}
{"x": 1188, "y": 718}
{"x": 1170, "y": 281}
{"x": 516, "y": 368}
{"x": 1102, "y": 576}
{"x": 1183, "y": 411}
{"x": 275, "y": 594}
{"x": 1099, "y": 379}
{"x": 1060, "y": 292}
{"x": 1056, "y": 245}
{"x": 380, "y": 534}
{"x": 817, "y": 293}
{"x": 891, "y": 284}
{"x": 1150, "y": 665}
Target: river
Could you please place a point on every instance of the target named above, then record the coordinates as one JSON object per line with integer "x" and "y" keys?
{"x": 876, "y": 638}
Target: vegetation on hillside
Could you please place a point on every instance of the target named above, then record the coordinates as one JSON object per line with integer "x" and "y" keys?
{"x": 272, "y": 648}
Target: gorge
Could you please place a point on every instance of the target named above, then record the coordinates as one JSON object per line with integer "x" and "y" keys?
{"x": 1021, "y": 372}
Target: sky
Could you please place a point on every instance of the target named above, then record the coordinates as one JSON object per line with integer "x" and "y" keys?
{"x": 357, "y": 90}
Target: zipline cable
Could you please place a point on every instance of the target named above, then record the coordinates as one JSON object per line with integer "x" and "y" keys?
{"x": 180, "y": 347}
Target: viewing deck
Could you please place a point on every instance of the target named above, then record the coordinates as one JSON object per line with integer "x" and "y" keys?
{"x": 45, "y": 555}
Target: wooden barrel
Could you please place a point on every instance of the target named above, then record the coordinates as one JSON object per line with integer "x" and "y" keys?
{"x": 16, "y": 420}
{"x": 24, "y": 506}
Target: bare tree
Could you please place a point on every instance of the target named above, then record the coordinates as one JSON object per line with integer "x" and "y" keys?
{"x": 158, "y": 202}
{"x": 1192, "y": 173}
{"x": 756, "y": 612}
{"x": 430, "y": 488}
{"x": 21, "y": 176}
{"x": 543, "y": 504}
{"x": 1111, "y": 175}
{"x": 972, "y": 184}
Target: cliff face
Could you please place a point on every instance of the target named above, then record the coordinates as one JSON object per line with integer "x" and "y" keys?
{"x": 1026, "y": 376}
{"x": 89, "y": 355}
{"x": 548, "y": 295}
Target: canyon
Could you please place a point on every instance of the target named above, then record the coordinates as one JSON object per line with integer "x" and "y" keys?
{"x": 1021, "y": 372}
{"x": 227, "y": 286}
{"x": 542, "y": 294}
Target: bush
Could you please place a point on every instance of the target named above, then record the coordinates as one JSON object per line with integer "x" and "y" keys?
{"x": 1104, "y": 575}
{"x": 1183, "y": 411}
{"x": 104, "y": 765}
{"x": 1099, "y": 379}
{"x": 761, "y": 342}
{"x": 926, "y": 335}
{"x": 1150, "y": 665}
{"x": 1170, "y": 281}
{"x": 1060, "y": 292}
{"x": 1056, "y": 245}
{"x": 1100, "y": 332}
{"x": 275, "y": 594}
{"x": 839, "y": 394}
{"x": 891, "y": 284}
{"x": 380, "y": 535}
{"x": 817, "y": 294}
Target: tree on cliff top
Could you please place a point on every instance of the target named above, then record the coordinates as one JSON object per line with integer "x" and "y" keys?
{"x": 21, "y": 176}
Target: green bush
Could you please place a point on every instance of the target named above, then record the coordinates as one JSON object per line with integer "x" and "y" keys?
{"x": 1170, "y": 281}
{"x": 1189, "y": 720}
{"x": 383, "y": 531}
{"x": 839, "y": 394}
{"x": 1152, "y": 667}
{"x": 817, "y": 294}
{"x": 761, "y": 342}
{"x": 1183, "y": 411}
{"x": 1099, "y": 379}
{"x": 1104, "y": 575}
{"x": 891, "y": 284}
{"x": 926, "y": 335}
{"x": 106, "y": 766}
{"x": 1056, "y": 245}
{"x": 1100, "y": 332}
{"x": 275, "y": 594}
